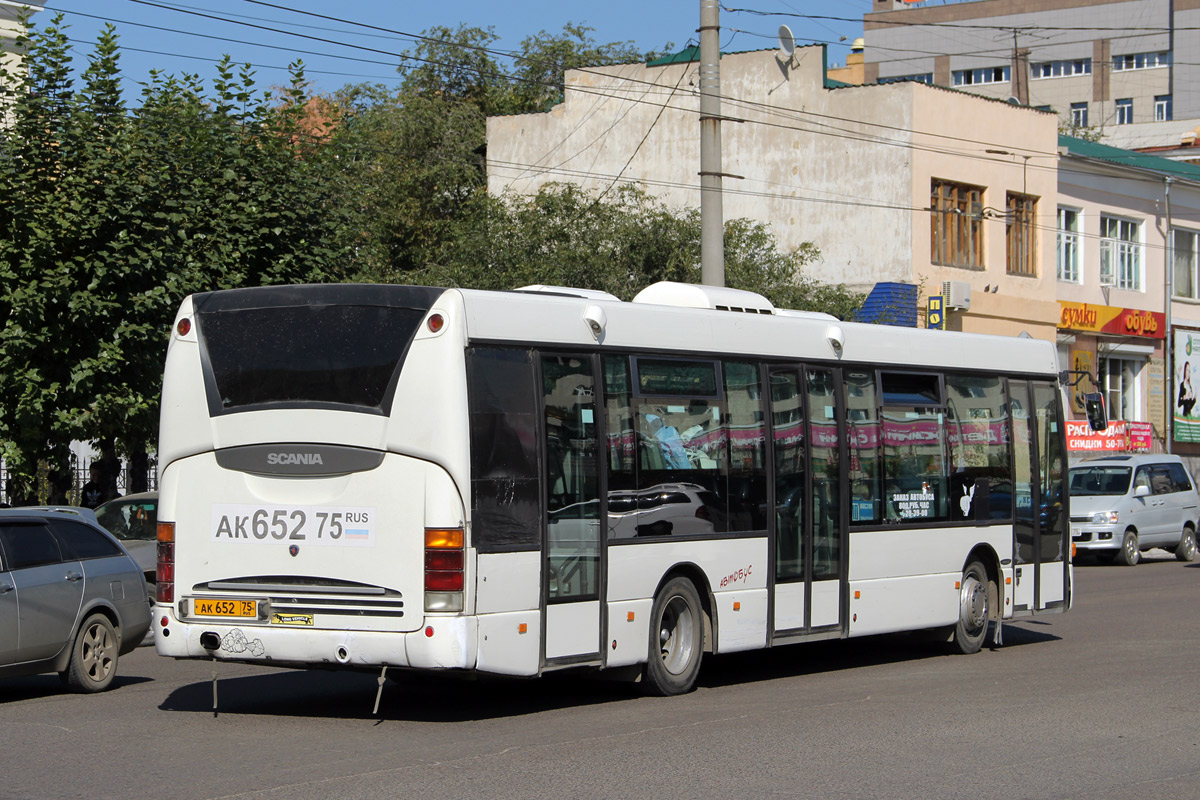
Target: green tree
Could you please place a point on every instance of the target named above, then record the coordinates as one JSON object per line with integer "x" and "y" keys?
{"x": 621, "y": 244}
{"x": 412, "y": 160}
{"x": 108, "y": 218}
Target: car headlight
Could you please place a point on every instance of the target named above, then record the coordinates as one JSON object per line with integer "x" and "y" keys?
{"x": 1104, "y": 518}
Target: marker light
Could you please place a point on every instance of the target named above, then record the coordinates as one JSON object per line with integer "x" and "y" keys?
{"x": 435, "y": 322}
{"x": 184, "y": 326}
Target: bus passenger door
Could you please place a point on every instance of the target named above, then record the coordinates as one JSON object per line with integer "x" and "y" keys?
{"x": 1039, "y": 525}
{"x": 809, "y": 529}
{"x": 571, "y": 567}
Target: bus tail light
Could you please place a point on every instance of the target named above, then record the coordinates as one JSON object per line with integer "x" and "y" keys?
{"x": 164, "y": 591}
{"x": 445, "y": 559}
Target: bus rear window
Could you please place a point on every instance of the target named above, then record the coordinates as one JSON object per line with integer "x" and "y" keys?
{"x": 312, "y": 354}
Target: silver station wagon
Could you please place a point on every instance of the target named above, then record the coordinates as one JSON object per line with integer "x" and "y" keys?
{"x": 1124, "y": 504}
{"x": 72, "y": 600}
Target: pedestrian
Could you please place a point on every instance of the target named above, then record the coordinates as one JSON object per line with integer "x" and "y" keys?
{"x": 97, "y": 490}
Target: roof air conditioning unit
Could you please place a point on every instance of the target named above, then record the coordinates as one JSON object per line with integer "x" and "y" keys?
{"x": 957, "y": 294}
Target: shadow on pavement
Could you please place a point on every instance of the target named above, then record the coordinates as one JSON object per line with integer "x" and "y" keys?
{"x": 34, "y": 687}
{"x": 430, "y": 697}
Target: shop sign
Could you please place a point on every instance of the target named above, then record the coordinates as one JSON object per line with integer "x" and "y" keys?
{"x": 1119, "y": 436}
{"x": 1186, "y": 414}
{"x": 1112, "y": 319}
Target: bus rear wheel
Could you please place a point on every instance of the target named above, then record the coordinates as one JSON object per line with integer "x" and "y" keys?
{"x": 974, "y": 608}
{"x": 676, "y": 640}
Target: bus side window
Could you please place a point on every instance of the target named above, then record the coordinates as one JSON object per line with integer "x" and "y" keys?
{"x": 980, "y": 448}
{"x": 505, "y": 494}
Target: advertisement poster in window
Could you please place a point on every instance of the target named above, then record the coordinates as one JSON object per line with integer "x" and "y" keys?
{"x": 1185, "y": 382}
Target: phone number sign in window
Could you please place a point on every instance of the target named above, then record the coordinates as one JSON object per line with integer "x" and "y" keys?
{"x": 335, "y": 526}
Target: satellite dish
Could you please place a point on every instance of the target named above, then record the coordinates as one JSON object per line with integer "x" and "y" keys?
{"x": 787, "y": 43}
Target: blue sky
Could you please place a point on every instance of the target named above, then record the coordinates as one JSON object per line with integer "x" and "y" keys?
{"x": 178, "y": 36}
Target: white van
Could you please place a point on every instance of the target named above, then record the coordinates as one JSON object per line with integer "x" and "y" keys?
{"x": 1123, "y": 504}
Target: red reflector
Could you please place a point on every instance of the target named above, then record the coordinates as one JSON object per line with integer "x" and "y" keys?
{"x": 437, "y": 580}
{"x": 429, "y": 631}
{"x": 444, "y": 559}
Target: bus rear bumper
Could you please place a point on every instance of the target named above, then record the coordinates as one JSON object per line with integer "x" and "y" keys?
{"x": 448, "y": 642}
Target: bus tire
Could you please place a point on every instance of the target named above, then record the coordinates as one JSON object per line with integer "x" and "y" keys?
{"x": 1129, "y": 554}
{"x": 676, "y": 640}
{"x": 974, "y": 609}
{"x": 1186, "y": 549}
{"x": 94, "y": 653}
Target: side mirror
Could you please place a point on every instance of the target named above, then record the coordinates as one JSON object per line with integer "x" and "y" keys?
{"x": 1141, "y": 491}
{"x": 1093, "y": 403}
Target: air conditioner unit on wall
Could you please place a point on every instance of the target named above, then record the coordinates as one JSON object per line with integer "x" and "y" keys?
{"x": 957, "y": 294}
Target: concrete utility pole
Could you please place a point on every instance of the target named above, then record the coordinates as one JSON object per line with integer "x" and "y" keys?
{"x": 712, "y": 223}
{"x": 1168, "y": 343}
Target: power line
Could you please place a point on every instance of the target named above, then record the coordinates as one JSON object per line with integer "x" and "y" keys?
{"x": 829, "y": 128}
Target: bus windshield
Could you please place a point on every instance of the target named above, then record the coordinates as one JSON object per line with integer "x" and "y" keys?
{"x": 294, "y": 352}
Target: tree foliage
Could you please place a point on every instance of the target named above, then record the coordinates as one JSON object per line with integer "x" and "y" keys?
{"x": 108, "y": 218}
{"x": 110, "y": 215}
{"x": 564, "y": 236}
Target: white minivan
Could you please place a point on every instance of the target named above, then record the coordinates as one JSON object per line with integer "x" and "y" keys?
{"x": 1124, "y": 504}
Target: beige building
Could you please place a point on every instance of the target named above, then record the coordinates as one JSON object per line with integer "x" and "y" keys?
{"x": 899, "y": 182}
{"x": 10, "y": 55}
{"x": 10, "y": 13}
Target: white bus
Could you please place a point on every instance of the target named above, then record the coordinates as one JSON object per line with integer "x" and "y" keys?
{"x": 515, "y": 482}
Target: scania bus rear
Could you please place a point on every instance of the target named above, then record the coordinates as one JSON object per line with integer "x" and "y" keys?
{"x": 311, "y": 484}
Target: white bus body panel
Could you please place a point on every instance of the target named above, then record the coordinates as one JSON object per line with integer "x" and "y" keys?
{"x": 572, "y": 628}
{"x": 507, "y": 596}
{"x": 789, "y": 606}
{"x": 1052, "y": 583}
{"x": 905, "y": 579}
{"x": 827, "y": 603}
{"x": 736, "y": 570}
{"x": 395, "y": 551}
{"x": 508, "y": 582}
{"x": 514, "y": 317}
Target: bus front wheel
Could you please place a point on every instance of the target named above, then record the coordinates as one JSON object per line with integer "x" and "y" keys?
{"x": 676, "y": 640}
{"x": 974, "y": 608}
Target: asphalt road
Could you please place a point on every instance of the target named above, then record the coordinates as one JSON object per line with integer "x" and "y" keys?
{"x": 1097, "y": 703}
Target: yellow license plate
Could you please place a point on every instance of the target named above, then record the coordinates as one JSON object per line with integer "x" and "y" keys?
{"x": 213, "y": 607}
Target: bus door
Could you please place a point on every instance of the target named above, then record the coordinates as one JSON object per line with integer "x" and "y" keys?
{"x": 809, "y": 528}
{"x": 1039, "y": 525}
{"x": 572, "y": 568}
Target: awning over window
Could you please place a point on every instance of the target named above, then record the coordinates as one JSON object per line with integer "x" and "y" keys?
{"x": 890, "y": 304}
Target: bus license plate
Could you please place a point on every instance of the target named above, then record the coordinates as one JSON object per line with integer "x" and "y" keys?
{"x": 213, "y": 607}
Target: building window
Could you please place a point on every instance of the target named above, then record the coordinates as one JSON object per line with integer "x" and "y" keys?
{"x": 1125, "y": 111}
{"x": 1068, "y": 245}
{"x": 1185, "y": 246}
{"x": 924, "y": 77}
{"x": 1119, "y": 377}
{"x": 1019, "y": 230}
{"x": 1079, "y": 115}
{"x": 956, "y": 225}
{"x": 1121, "y": 253}
{"x": 1162, "y": 108}
{"x": 1140, "y": 61}
{"x": 974, "y": 77}
{"x": 1061, "y": 69}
